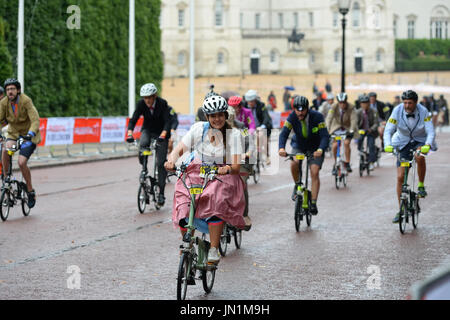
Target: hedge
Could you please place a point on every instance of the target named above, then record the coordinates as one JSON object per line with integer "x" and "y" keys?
{"x": 5, "y": 57}
{"x": 84, "y": 72}
{"x": 409, "y": 57}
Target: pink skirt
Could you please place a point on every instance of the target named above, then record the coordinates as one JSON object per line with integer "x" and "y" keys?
{"x": 224, "y": 200}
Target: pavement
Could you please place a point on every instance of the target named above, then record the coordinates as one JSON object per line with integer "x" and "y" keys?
{"x": 85, "y": 239}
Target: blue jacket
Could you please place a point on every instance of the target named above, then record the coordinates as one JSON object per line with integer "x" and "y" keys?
{"x": 318, "y": 136}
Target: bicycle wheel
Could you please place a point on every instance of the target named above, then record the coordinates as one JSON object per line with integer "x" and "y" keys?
{"x": 307, "y": 212}
{"x": 5, "y": 204}
{"x": 298, "y": 212}
{"x": 361, "y": 167}
{"x": 337, "y": 176}
{"x": 223, "y": 244}
{"x": 403, "y": 216}
{"x": 415, "y": 216}
{"x": 142, "y": 198}
{"x": 24, "y": 196}
{"x": 256, "y": 173}
{"x": 156, "y": 193}
{"x": 208, "y": 277}
{"x": 238, "y": 238}
{"x": 183, "y": 274}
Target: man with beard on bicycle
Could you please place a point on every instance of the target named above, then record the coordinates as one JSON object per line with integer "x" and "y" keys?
{"x": 410, "y": 127}
{"x": 157, "y": 123}
{"x": 367, "y": 119}
{"x": 342, "y": 117}
{"x": 312, "y": 135}
{"x": 19, "y": 113}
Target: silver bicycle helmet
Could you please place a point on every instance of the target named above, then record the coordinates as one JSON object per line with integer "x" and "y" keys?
{"x": 341, "y": 97}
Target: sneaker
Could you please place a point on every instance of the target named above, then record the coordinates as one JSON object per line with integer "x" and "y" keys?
{"x": 421, "y": 193}
{"x": 349, "y": 168}
{"x": 161, "y": 199}
{"x": 396, "y": 218}
{"x": 313, "y": 209}
{"x": 371, "y": 166}
{"x": 31, "y": 198}
{"x": 268, "y": 161}
{"x": 248, "y": 223}
{"x": 213, "y": 256}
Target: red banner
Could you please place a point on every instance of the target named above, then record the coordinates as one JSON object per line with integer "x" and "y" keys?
{"x": 42, "y": 130}
{"x": 87, "y": 130}
{"x": 137, "y": 128}
{"x": 283, "y": 118}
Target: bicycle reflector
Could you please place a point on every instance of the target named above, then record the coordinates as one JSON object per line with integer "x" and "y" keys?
{"x": 300, "y": 156}
{"x": 405, "y": 164}
{"x": 146, "y": 153}
{"x": 362, "y": 132}
{"x": 196, "y": 190}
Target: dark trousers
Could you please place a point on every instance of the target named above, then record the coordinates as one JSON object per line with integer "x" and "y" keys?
{"x": 161, "y": 156}
{"x": 371, "y": 144}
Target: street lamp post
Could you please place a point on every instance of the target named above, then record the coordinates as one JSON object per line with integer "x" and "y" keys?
{"x": 344, "y": 6}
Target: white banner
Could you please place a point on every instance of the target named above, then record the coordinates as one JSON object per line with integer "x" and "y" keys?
{"x": 276, "y": 117}
{"x": 113, "y": 129}
{"x": 185, "y": 121}
{"x": 59, "y": 131}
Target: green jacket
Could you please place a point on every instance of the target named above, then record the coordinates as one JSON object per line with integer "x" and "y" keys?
{"x": 27, "y": 118}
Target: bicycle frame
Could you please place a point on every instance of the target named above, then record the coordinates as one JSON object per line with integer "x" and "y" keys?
{"x": 209, "y": 174}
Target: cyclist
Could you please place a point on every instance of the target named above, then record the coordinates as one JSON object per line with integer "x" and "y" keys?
{"x": 311, "y": 135}
{"x": 262, "y": 118}
{"x": 214, "y": 142}
{"x": 157, "y": 122}
{"x": 383, "y": 110}
{"x": 367, "y": 119}
{"x": 22, "y": 117}
{"x": 342, "y": 117}
{"x": 245, "y": 117}
{"x": 410, "y": 127}
{"x": 173, "y": 127}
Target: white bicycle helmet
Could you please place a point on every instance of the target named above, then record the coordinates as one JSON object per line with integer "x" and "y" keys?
{"x": 251, "y": 95}
{"x": 148, "y": 89}
{"x": 215, "y": 104}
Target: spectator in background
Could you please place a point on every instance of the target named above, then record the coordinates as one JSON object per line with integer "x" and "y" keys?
{"x": 328, "y": 88}
{"x": 443, "y": 107}
{"x": 287, "y": 100}
{"x": 271, "y": 101}
{"x": 2, "y": 92}
{"x": 397, "y": 101}
{"x": 315, "y": 88}
{"x": 326, "y": 105}
{"x": 173, "y": 127}
{"x": 434, "y": 109}
{"x": 317, "y": 102}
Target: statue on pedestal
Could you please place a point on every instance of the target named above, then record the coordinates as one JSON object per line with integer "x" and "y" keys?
{"x": 294, "y": 40}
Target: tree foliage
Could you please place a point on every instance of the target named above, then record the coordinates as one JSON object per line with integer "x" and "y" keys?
{"x": 84, "y": 72}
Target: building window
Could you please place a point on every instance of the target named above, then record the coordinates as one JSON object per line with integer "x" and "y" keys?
{"x": 438, "y": 26}
{"x": 335, "y": 19}
{"x": 242, "y": 20}
{"x": 295, "y": 20}
{"x": 312, "y": 57}
{"x": 219, "y": 13}
{"x": 220, "y": 58}
{"x": 181, "y": 59}
{"x": 311, "y": 19}
{"x": 280, "y": 20}
{"x": 181, "y": 18}
{"x": 257, "y": 21}
{"x": 411, "y": 27}
{"x": 337, "y": 55}
{"x": 394, "y": 25}
{"x": 356, "y": 14}
{"x": 273, "y": 56}
{"x": 379, "y": 55}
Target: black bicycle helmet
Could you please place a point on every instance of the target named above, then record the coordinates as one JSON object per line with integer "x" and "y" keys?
{"x": 410, "y": 95}
{"x": 363, "y": 98}
{"x": 12, "y": 81}
{"x": 299, "y": 103}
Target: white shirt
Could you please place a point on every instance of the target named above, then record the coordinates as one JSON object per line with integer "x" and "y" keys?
{"x": 210, "y": 147}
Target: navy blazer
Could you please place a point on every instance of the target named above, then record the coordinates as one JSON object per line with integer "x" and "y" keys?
{"x": 318, "y": 136}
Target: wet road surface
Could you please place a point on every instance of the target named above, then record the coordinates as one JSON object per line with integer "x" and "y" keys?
{"x": 86, "y": 216}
